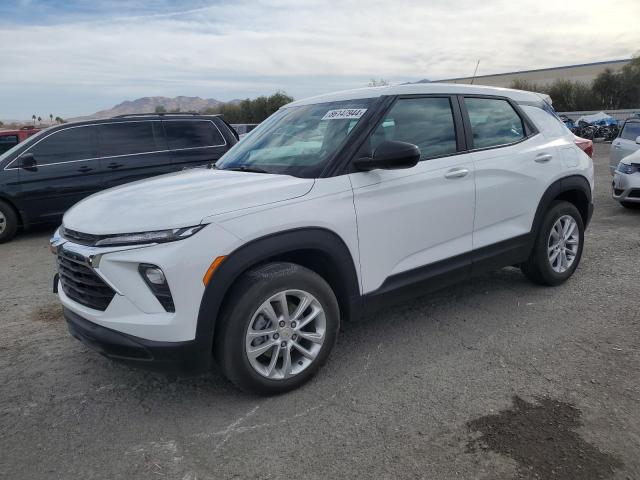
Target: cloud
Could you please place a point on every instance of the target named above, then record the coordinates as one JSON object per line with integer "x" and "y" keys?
{"x": 235, "y": 49}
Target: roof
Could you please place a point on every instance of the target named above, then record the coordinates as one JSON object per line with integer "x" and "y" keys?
{"x": 422, "y": 88}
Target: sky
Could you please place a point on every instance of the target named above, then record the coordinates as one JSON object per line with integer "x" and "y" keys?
{"x": 75, "y": 57}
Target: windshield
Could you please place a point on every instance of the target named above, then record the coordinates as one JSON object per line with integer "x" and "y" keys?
{"x": 297, "y": 141}
{"x": 26, "y": 142}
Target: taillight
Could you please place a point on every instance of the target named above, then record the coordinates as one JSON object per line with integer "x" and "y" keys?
{"x": 585, "y": 145}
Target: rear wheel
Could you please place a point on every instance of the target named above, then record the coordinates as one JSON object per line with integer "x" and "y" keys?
{"x": 279, "y": 326}
{"x": 558, "y": 246}
{"x": 8, "y": 222}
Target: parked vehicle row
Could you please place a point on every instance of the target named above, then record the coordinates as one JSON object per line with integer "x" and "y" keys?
{"x": 52, "y": 170}
{"x": 332, "y": 207}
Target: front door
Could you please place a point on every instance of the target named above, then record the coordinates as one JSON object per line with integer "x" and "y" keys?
{"x": 410, "y": 220}
{"x": 66, "y": 171}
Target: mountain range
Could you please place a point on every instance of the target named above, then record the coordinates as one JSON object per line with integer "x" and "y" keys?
{"x": 149, "y": 104}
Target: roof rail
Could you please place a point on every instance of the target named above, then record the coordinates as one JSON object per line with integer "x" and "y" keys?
{"x": 163, "y": 114}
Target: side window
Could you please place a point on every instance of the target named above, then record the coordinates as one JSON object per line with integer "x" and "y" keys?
{"x": 128, "y": 138}
{"x": 631, "y": 131}
{"x": 7, "y": 142}
{"x": 425, "y": 122}
{"x": 77, "y": 143}
{"x": 493, "y": 122}
{"x": 192, "y": 134}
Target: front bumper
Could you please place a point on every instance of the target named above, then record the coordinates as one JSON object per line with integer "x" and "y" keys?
{"x": 178, "y": 356}
{"x": 626, "y": 187}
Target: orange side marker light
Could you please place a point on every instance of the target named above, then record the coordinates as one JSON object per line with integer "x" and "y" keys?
{"x": 211, "y": 270}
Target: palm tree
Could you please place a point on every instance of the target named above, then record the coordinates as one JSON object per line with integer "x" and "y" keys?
{"x": 33, "y": 117}
{"x": 40, "y": 121}
{"x": 51, "y": 117}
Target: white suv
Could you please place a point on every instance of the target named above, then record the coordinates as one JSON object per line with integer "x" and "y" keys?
{"x": 333, "y": 206}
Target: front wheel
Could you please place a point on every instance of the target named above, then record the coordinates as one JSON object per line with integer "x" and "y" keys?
{"x": 558, "y": 246}
{"x": 279, "y": 326}
{"x": 8, "y": 222}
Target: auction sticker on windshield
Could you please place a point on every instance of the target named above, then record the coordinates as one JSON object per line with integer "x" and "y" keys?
{"x": 344, "y": 114}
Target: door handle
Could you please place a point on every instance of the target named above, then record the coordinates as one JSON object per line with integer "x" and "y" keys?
{"x": 113, "y": 166}
{"x": 456, "y": 173}
{"x": 85, "y": 169}
{"x": 543, "y": 157}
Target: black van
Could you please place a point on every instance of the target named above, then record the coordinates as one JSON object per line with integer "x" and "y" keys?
{"x": 46, "y": 174}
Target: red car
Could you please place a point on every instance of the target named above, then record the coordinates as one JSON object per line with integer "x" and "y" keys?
{"x": 10, "y": 138}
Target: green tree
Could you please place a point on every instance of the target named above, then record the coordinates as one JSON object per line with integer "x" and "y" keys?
{"x": 161, "y": 109}
{"x": 251, "y": 111}
{"x": 60, "y": 120}
{"x": 33, "y": 117}
{"x": 1, "y": 124}
{"x": 39, "y": 121}
{"x": 609, "y": 90}
{"x": 51, "y": 118}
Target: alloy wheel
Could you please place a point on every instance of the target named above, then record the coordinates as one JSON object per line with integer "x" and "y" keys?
{"x": 563, "y": 243}
{"x": 285, "y": 334}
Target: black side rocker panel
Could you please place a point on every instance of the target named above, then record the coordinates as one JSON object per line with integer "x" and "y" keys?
{"x": 441, "y": 274}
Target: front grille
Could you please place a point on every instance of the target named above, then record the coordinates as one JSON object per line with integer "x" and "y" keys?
{"x": 80, "y": 283}
{"x": 635, "y": 193}
{"x": 79, "y": 237}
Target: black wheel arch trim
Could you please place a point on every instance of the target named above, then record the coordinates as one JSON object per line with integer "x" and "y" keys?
{"x": 557, "y": 188}
{"x": 262, "y": 249}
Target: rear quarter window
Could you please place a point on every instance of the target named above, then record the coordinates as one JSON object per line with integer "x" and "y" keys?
{"x": 494, "y": 122}
{"x": 182, "y": 134}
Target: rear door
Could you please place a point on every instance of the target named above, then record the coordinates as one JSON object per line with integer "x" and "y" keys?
{"x": 193, "y": 142}
{"x": 132, "y": 150}
{"x": 625, "y": 144}
{"x": 514, "y": 165}
{"x": 67, "y": 170}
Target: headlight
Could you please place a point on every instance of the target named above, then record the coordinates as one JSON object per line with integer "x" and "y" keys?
{"x": 628, "y": 169}
{"x": 158, "y": 236}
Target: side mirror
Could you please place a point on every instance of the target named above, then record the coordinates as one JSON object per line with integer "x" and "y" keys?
{"x": 390, "y": 155}
{"x": 638, "y": 140}
{"x": 28, "y": 162}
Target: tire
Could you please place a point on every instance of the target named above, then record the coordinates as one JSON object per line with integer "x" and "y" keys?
{"x": 631, "y": 205}
{"x": 248, "y": 306}
{"x": 538, "y": 268}
{"x": 8, "y": 222}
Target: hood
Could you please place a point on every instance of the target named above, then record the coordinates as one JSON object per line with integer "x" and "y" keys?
{"x": 180, "y": 199}
{"x": 633, "y": 158}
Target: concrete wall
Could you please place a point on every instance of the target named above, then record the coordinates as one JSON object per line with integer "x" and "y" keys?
{"x": 582, "y": 73}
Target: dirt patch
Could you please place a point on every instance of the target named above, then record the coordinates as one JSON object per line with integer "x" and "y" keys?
{"x": 542, "y": 440}
{"x": 51, "y": 313}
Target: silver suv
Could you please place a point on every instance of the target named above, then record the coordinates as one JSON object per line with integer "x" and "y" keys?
{"x": 627, "y": 142}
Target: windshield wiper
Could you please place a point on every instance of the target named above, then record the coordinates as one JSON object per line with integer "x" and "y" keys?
{"x": 245, "y": 168}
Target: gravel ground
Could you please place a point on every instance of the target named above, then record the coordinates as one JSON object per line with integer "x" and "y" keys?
{"x": 493, "y": 379}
